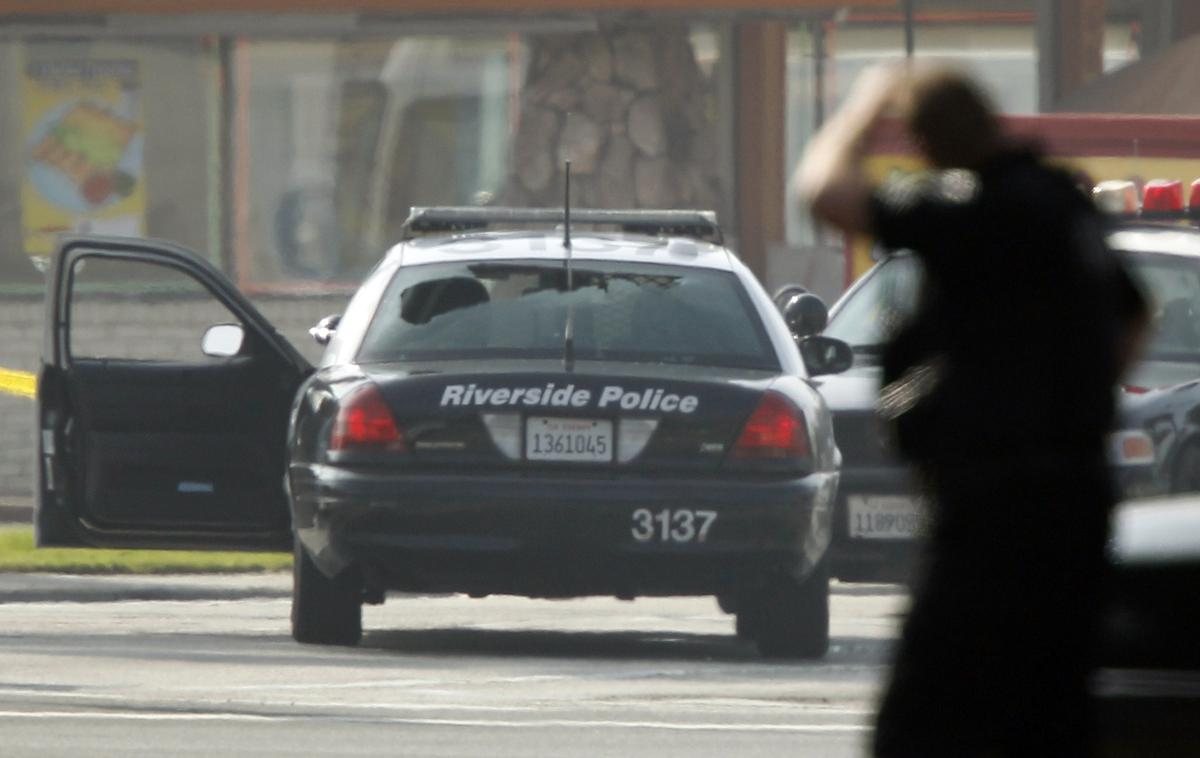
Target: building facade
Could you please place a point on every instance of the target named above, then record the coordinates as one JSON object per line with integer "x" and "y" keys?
{"x": 285, "y": 140}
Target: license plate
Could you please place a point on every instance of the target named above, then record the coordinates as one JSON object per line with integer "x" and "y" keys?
{"x": 885, "y": 517}
{"x": 568, "y": 439}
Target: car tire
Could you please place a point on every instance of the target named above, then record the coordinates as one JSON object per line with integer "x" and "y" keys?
{"x": 793, "y": 616}
{"x": 1187, "y": 470}
{"x": 745, "y": 624}
{"x": 325, "y": 610}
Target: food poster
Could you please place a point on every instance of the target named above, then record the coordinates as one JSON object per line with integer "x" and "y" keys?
{"x": 83, "y": 151}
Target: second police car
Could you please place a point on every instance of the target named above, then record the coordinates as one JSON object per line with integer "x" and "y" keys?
{"x": 1154, "y": 450}
{"x": 527, "y": 411}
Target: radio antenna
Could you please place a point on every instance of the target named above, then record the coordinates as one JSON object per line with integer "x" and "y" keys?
{"x": 567, "y": 210}
{"x": 569, "y": 329}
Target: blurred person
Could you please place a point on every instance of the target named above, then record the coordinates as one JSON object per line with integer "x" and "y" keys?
{"x": 1000, "y": 390}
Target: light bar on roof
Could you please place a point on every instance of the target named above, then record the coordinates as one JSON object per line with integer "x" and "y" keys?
{"x": 1161, "y": 200}
{"x": 696, "y": 224}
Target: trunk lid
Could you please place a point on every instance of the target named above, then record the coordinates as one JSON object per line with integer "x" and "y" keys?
{"x": 603, "y": 417}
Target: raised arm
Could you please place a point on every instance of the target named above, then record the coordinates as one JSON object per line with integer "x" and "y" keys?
{"x": 831, "y": 179}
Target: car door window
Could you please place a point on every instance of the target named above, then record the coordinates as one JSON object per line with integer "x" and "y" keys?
{"x": 139, "y": 311}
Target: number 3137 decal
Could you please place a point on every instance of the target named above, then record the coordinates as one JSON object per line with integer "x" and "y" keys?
{"x": 672, "y": 525}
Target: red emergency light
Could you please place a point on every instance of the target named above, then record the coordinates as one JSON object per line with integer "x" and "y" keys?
{"x": 1162, "y": 196}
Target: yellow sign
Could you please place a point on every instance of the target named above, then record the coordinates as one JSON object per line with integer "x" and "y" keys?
{"x": 83, "y": 151}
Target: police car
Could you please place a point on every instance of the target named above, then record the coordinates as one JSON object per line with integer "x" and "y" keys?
{"x": 508, "y": 404}
{"x": 880, "y": 513}
{"x": 1152, "y": 620}
{"x": 1161, "y": 407}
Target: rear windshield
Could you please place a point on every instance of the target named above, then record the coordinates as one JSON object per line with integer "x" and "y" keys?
{"x": 519, "y": 309}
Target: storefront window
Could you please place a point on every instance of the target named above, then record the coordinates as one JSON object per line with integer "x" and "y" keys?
{"x": 804, "y": 97}
{"x": 292, "y": 162}
{"x": 824, "y": 58}
{"x": 107, "y": 137}
{"x": 340, "y": 138}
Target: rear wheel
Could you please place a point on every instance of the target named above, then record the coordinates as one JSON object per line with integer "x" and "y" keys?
{"x": 745, "y": 624}
{"x": 792, "y": 618}
{"x": 325, "y": 610}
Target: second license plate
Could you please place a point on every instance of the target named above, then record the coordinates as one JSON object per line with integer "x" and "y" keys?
{"x": 885, "y": 517}
{"x": 568, "y": 439}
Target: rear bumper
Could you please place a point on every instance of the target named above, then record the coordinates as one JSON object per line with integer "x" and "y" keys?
{"x": 892, "y": 559}
{"x": 559, "y": 537}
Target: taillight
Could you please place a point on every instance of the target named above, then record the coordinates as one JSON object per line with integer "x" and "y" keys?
{"x": 364, "y": 422}
{"x": 1131, "y": 448}
{"x": 775, "y": 431}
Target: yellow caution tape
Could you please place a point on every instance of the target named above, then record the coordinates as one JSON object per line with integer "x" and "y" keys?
{"x": 20, "y": 383}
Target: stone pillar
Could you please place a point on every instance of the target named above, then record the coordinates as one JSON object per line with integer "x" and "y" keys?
{"x": 631, "y": 110}
{"x": 1070, "y": 47}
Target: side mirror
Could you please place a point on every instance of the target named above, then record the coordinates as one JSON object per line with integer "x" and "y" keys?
{"x": 825, "y": 355}
{"x": 222, "y": 340}
{"x": 323, "y": 331}
{"x": 805, "y": 314}
{"x": 786, "y": 293}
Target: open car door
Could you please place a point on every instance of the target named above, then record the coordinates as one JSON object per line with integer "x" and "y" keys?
{"x": 155, "y": 428}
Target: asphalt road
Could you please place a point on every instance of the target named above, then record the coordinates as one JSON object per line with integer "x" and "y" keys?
{"x": 204, "y": 666}
{"x": 216, "y": 674}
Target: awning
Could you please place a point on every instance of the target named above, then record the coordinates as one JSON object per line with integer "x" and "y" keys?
{"x": 42, "y": 8}
{"x": 1164, "y": 84}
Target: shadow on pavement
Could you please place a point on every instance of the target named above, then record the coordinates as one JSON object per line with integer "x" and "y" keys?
{"x": 617, "y": 645}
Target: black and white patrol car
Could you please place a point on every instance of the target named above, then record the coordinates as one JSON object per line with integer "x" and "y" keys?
{"x": 880, "y": 512}
{"x": 526, "y": 411}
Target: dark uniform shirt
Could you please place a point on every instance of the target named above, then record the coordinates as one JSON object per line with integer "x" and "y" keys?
{"x": 1024, "y": 307}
